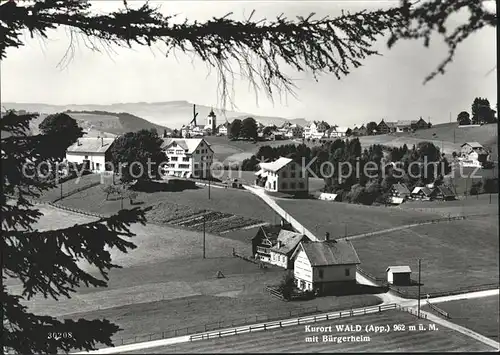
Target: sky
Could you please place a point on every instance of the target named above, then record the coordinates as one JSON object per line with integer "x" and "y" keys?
{"x": 388, "y": 86}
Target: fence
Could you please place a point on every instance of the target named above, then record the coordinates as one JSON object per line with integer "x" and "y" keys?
{"x": 246, "y": 258}
{"x": 412, "y": 312}
{"x": 75, "y": 191}
{"x": 438, "y": 310}
{"x": 274, "y": 292}
{"x": 216, "y": 325}
{"x": 75, "y": 210}
{"x": 414, "y": 294}
{"x": 298, "y": 321}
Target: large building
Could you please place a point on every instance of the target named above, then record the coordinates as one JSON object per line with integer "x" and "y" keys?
{"x": 188, "y": 157}
{"x": 283, "y": 175}
{"x": 92, "y": 152}
{"x": 325, "y": 266}
{"x": 316, "y": 130}
{"x": 193, "y": 130}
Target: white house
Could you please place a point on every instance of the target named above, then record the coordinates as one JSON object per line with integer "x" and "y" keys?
{"x": 473, "y": 154}
{"x": 187, "y": 157}
{"x": 324, "y": 266}
{"x": 285, "y": 246}
{"x": 222, "y": 129}
{"x": 283, "y": 175}
{"x": 337, "y": 132}
{"x": 90, "y": 151}
{"x": 316, "y": 130}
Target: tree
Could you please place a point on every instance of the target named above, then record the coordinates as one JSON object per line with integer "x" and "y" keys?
{"x": 481, "y": 111}
{"x": 371, "y": 127}
{"x": 317, "y": 45}
{"x": 268, "y": 130}
{"x": 63, "y": 128}
{"x": 137, "y": 156}
{"x": 463, "y": 118}
{"x": 287, "y": 285}
{"x": 235, "y": 129}
{"x": 33, "y": 257}
{"x": 165, "y": 135}
{"x": 249, "y": 128}
{"x": 176, "y": 133}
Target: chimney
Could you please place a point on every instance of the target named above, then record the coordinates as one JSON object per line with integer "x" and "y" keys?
{"x": 327, "y": 236}
{"x": 78, "y": 142}
{"x": 280, "y": 243}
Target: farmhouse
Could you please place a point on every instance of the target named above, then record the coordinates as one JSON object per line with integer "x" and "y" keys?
{"x": 422, "y": 193}
{"x": 443, "y": 193}
{"x": 316, "y": 130}
{"x": 386, "y": 127}
{"x": 324, "y": 266}
{"x": 92, "y": 152}
{"x": 400, "y": 190}
{"x": 283, "y": 175}
{"x": 421, "y": 124}
{"x": 285, "y": 246}
{"x": 399, "y": 275}
{"x": 222, "y": 129}
{"x": 265, "y": 238}
{"x": 187, "y": 157}
{"x": 473, "y": 153}
{"x": 406, "y": 125}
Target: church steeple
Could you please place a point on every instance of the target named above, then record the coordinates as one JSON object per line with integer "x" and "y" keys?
{"x": 212, "y": 120}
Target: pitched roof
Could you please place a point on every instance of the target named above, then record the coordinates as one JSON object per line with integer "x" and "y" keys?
{"x": 271, "y": 231}
{"x": 325, "y": 253}
{"x": 398, "y": 269}
{"x": 446, "y": 191}
{"x": 289, "y": 241}
{"x": 473, "y": 144}
{"x": 91, "y": 145}
{"x": 401, "y": 188}
{"x": 275, "y": 165}
{"x": 189, "y": 144}
{"x": 424, "y": 189}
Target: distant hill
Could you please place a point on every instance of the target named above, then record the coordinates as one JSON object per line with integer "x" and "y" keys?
{"x": 171, "y": 114}
{"x": 102, "y": 123}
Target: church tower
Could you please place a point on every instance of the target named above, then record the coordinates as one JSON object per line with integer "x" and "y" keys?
{"x": 212, "y": 121}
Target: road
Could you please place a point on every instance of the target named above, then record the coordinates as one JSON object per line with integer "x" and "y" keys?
{"x": 387, "y": 298}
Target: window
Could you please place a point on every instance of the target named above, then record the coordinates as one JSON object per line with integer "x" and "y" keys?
{"x": 320, "y": 273}
{"x": 292, "y": 186}
{"x": 284, "y": 186}
{"x": 283, "y": 174}
{"x": 347, "y": 272}
{"x": 86, "y": 157}
{"x": 293, "y": 167}
{"x": 170, "y": 151}
{"x": 179, "y": 152}
{"x": 292, "y": 174}
{"x": 301, "y": 185}
{"x": 197, "y": 151}
{"x": 97, "y": 166}
{"x": 185, "y": 159}
{"x": 183, "y": 166}
{"x": 173, "y": 158}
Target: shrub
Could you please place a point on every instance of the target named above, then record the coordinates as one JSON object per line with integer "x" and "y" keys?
{"x": 490, "y": 185}
{"x": 475, "y": 189}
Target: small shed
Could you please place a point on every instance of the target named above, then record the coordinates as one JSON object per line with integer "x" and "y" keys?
{"x": 399, "y": 275}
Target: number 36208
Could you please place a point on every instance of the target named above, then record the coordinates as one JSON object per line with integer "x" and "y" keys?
{"x": 57, "y": 336}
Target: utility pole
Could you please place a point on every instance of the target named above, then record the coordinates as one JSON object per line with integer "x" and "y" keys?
{"x": 419, "y": 279}
{"x": 466, "y": 186}
{"x": 61, "y": 191}
{"x": 204, "y": 217}
{"x": 346, "y": 230}
{"x": 209, "y": 186}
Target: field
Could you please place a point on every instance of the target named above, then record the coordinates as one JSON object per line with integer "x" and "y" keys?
{"x": 478, "y": 314}
{"x": 472, "y": 205}
{"x": 462, "y": 179}
{"x": 165, "y": 284}
{"x": 455, "y": 254}
{"x": 228, "y": 151}
{"x": 447, "y": 136}
{"x": 292, "y": 339}
{"x": 324, "y": 216}
{"x": 226, "y": 210}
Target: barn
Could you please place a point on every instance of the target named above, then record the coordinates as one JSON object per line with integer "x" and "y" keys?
{"x": 399, "y": 275}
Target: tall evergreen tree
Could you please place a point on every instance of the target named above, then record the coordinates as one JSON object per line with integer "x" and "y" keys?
{"x": 34, "y": 257}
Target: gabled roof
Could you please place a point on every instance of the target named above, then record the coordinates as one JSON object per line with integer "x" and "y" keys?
{"x": 189, "y": 144}
{"x": 271, "y": 232}
{"x": 289, "y": 241}
{"x": 424, "y": 189}
{"x": 398, "y": 269}
{"x": 446, "y": 191}
{"x": 473, "y": 144}
{"x": 275, "y": 165}
{"x": 91, "y": 145}
{"x": 327, "y": 253}
{"x": 401, "y": 188}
